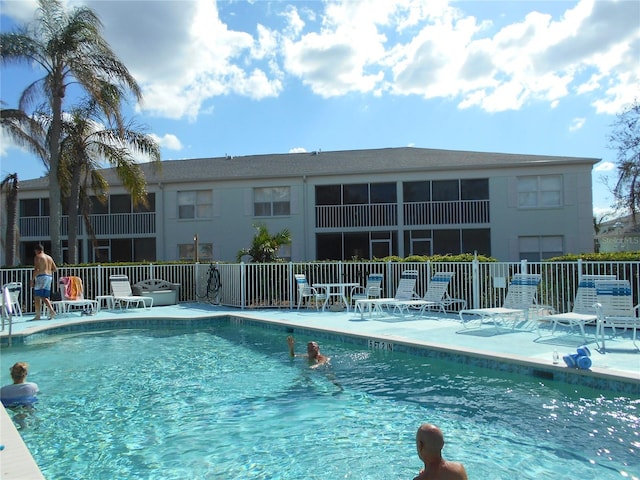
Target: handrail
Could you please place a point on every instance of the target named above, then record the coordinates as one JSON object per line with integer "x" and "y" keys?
{"x": 7, "y": 307}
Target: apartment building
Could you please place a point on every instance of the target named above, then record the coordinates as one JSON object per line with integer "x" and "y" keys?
{"x": 337, "y": 205}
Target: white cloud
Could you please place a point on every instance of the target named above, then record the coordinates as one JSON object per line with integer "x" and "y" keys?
{"x": 577, "y": 124}
{"x": 168, "y": 141}
{"x": 604, "y": 166}
{"x": 297, "y": 150}
{"x": 185, "y": 54}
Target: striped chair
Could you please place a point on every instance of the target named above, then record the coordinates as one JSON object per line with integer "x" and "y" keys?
{"x": 615, "y": 309}
{"x": 521, "y": 297}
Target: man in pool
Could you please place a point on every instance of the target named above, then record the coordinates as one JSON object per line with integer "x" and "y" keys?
{"x": 429, "y": 441}
{"x": 43, "y": 268}
{"x": 20, "y": 393}
{"x": 313, "y": 353}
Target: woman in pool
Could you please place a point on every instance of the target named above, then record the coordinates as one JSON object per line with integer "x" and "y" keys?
{"x": 313, "y": 352}
{"x": 20, "y": 393}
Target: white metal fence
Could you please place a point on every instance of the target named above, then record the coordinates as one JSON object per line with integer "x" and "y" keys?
{"x": 258, "y": 285}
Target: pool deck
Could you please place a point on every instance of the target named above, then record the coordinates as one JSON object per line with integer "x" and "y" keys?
{"x": 434, "y": 331}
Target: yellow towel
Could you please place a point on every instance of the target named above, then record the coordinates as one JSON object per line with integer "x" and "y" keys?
{"x": 73, "y": 290}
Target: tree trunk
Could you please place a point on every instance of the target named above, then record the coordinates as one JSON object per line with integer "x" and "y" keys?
{"x": 55, "y": 208}
{"x": 72, "y": 210}
{"x": 12, "y": 220}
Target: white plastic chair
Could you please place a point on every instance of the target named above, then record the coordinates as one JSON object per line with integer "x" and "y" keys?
{"x": 122, "y": 293}
{"x": 521, "y": 297}
{"x": 584, "y": 309}
{"x": 615, "y": 309}
{"x": 404, "y": 291}
{"x": 15, "y": 290}
{"x": 436, "y": 296}
{"x": 372, "y": 289}
{"x": 306, "y": 291}
{"x": 72, "y": 295}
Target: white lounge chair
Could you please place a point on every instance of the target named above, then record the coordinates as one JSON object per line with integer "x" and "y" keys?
{"x": 15, "y": 290}
{"x": 615, "y": 309}
{"x": 72, "y": 296}
{"x": 122, "y": 294}
{"x": 436, "y": 296}
{"x": 584, "y": 309}
{"x": 404, "y": 291}
{"x": 372, "y": 289}
{"x": 306, "y": 291}
{"x": 521, "y": 297}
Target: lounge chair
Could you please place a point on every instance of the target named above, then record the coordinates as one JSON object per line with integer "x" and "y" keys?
{"x": 405, "y": 291}
{"x": 15, "y": 289}
{"x": 372, "y": 289}
{"x": 436, "y": 296}
{"x": 122, "y": 294}
{"x": 584, "y": 309}
{"x": 615, "y": 309}
{"x": 72, "y": 296}
{"x": 521, "y": 297}
{"x": 306, "y": 291}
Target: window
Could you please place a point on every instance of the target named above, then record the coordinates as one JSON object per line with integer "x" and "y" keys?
{"x": 271, "y": 201}
{"x": 476, "y": 189}
{"x": 284, "y": 252}
{"x": 195, "y": 204}
{"x": 416, "y": 191}
{"x": 34, "y": 207}
{"x": 328, "y": 195}
{"x": 445, "y": 190}
{"x": 120, "y": 203}
{"x": 186, "y": 252}
{"x": 355, "y": 194}
{"x": 543, "y": 191}
{"x": 383, "y": 193}
{"x": 538, "y": 248}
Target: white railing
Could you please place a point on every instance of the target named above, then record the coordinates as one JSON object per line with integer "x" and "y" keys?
{"x": 357, "y": 216}
{"x": 258, "y": 285}
{"x": 445, "y": 213}
{"x": 102, "y": 224}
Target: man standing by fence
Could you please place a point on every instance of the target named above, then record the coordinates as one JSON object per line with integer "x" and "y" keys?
{"x": 43, "y": 268}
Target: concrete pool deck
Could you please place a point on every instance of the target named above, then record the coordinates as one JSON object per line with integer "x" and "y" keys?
{"x": 435, "y": 331}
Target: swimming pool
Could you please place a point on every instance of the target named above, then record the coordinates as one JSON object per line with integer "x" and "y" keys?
{"x": 227, "y": 402}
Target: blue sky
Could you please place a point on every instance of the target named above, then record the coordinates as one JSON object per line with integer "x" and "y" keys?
{"x": 240, "y": 78}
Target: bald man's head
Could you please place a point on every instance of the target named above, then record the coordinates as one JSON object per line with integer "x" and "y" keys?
{"x": 429, "y": 441}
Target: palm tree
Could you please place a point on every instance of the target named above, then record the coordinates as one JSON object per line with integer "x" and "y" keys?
{"x": 87, "y": 142}
{"x": 10, "y": 186}
{"x": 27, "y": 133}
{"x": 68, "y": 47}
{"x": 264, "y": 247}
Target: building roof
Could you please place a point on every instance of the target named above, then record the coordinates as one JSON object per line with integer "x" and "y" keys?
{"x": 345, "y": 162}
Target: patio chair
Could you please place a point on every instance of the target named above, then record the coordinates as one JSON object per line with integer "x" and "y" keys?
{"x": 15, "y": 290}
{"x": 521, "y": 297}
{"x": 373, "y": 288}
{"x": 404, "y": 291}
{"x": 123, "y": 295}
{"x": 436, "y": 296}
{"x": 306, "y": 291}
{"x": 584, "y": 309}
{"x": 72, "y": 296}
{"x": 615, "y": 309}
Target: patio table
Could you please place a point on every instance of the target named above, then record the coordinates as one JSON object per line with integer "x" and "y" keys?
{"x": 337, "y": 290}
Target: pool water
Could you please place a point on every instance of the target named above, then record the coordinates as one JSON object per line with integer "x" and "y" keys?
{"x": 229, "y": 403}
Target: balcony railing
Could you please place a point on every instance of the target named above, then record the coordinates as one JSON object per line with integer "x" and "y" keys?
{"x": 102, "y": 225}
{"x": 341, "y": 216}
{"x": 445, "y": 213}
